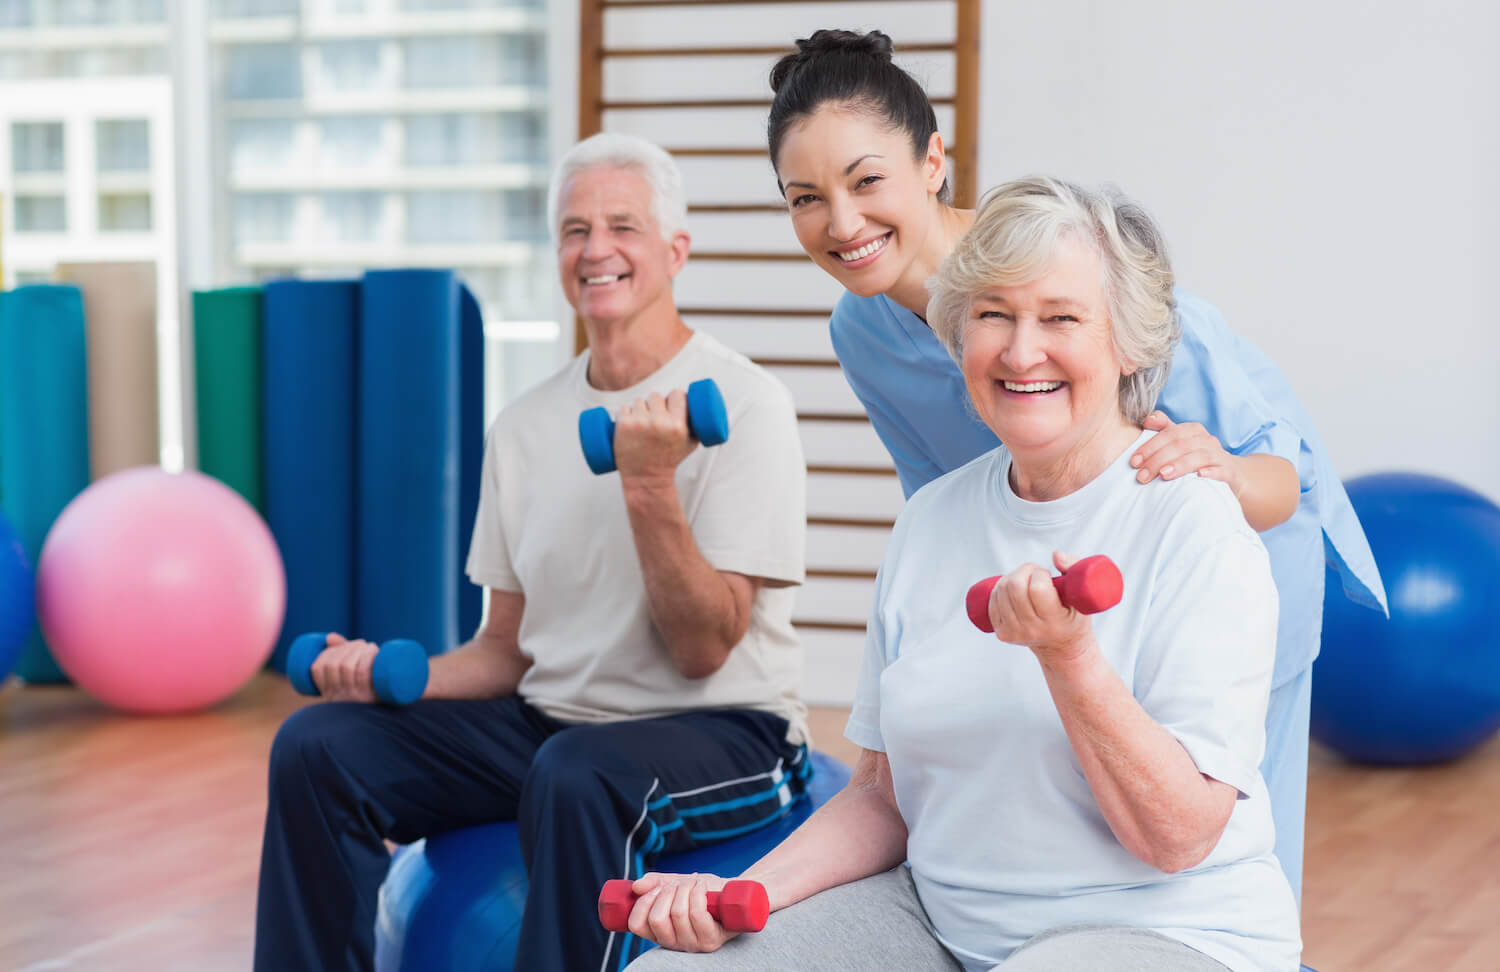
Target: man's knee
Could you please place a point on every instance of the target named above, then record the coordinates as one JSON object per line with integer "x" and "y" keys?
{"x": 311, "y": 742}
{"x": 564, "y": 772}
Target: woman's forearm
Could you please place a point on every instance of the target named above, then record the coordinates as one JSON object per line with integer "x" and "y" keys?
{"x": 1268, "y": 490}
{"x": 1157, "y": 803}
{"x": 858, "y": 833}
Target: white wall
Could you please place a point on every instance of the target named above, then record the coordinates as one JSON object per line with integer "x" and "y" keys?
{"x": 1327, "y": 173}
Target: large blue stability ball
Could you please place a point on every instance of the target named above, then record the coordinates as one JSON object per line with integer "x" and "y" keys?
{"x": 1424, "y": 685}
{"x": 453, "y": 903}
{"x": 17, "y": 598}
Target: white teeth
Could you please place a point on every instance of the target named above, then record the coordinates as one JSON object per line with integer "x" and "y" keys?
{"x": 1032, "y": 386}
{"x": 601, "y": 280}
{"x": 865, "y": 250}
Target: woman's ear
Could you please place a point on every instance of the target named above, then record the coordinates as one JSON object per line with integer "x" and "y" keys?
{"x": 935, "y": 163}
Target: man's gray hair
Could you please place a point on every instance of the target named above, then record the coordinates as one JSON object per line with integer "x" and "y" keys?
{"x": 614, "y": 151}
{"x": 1015, "y": 237}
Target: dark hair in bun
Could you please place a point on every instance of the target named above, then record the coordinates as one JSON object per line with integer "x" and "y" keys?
{"x": 849, "y": 68}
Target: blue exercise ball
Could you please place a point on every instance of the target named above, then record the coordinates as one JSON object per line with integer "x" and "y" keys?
{"x": 1424, "y": 685}
{"x": 453, "y": 903}
{"x": 17, "y": 597}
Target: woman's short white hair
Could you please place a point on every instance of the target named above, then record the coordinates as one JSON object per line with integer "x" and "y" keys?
{"x": 610, "y": 150}
{"x": 1015, "y": 237}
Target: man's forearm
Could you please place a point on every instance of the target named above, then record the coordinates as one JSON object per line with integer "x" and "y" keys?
{"x": 485, "y": 667}
{"x": 691, "y": 603}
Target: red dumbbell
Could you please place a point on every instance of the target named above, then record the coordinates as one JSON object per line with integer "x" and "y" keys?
{"x": 1088, "y": 587}
{"x": 741, "y": 907}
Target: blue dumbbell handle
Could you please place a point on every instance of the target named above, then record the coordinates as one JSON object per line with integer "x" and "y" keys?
{"x": 399, "y": 675}
{"x": 707, "y": 419}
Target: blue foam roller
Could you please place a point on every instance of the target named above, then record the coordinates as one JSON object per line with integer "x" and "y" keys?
{"x": 44, "y": 430}
{"x": 311, "y": 329}
{"x": 409, "y": 463}
{"x": 17, "y": 597}
{"x": 453, "y": 903}
{"x": 470, "y": 452}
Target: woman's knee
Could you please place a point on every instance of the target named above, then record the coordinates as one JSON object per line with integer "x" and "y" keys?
{"x": 1122, "y": 947}
{"x": 664, "y": 960}
{"x": 875, "y": 922}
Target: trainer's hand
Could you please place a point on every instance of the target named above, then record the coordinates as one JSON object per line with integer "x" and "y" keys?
{"x": 1178, "y": 449}
{"x": 652, "y": 437}
{"x": 673, "y": 912}
{"x": 342, "y": 671}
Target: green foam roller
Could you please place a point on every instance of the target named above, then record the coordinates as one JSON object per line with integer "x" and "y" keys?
{"x": 227, "y": 366}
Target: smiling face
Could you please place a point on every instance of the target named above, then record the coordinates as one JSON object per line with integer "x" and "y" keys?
{"x": 1039, "y": 359}
{"x": 611, "y": 256}
{"x": 861, "y": 205}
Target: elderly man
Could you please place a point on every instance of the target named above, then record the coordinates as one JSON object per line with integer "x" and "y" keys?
{"x": 637, "y": 671}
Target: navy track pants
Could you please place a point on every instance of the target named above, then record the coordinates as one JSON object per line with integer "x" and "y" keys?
{"x": 592, "y": 802}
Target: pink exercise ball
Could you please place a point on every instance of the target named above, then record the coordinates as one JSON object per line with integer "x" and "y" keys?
{"x": 160, "y": 592}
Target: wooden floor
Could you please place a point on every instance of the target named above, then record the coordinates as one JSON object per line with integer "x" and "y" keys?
{"x": 132, "y": 843}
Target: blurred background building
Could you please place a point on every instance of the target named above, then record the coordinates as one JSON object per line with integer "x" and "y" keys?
{"x": 337, "y": 135}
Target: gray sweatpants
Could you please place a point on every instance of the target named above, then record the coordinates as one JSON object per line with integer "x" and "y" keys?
{"x": 878, "y": 923}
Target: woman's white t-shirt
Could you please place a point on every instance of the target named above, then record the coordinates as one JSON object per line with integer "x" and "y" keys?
{"x": 1006, "y": 838}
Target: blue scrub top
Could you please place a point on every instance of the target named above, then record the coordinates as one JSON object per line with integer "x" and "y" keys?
{"x": 915, "y": 397}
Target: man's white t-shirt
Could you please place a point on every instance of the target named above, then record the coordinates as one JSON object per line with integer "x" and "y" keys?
{"x": 550, "y": 529}
{"x": 1006, "y": 838}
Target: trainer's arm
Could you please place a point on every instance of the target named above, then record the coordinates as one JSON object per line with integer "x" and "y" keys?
{"x": 488, "y": 665}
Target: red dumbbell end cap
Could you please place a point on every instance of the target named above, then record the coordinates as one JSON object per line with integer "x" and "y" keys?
{"x": 978, "y": 604}
{"x": 1094, "y": 585}
{"x": 744, "y": 906}
{"x": 616, "y": 901}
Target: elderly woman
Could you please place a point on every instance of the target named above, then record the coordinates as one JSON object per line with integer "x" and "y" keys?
{"x": 1073, "y": 792}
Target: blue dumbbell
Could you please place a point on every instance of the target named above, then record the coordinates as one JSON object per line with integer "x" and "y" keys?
{"x": 399, "y": 675}
{"x": 708, "y": 421}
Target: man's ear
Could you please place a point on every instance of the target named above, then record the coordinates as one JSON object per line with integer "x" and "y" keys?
{"x": 680, "y": 243}
{"x": 935, "y": 163}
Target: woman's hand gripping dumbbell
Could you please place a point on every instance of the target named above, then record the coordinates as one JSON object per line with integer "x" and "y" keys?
{"x": 707, "y": 419}
{"x": 741, "y": 907}
{"x": 398, "y": 676}
{"x": 1089, "y": 586}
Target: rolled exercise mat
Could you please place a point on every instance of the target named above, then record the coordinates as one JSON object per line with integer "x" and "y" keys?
{"x": 309, "y": 388}
{"x": 227, "y": 366}
{"x": 119, "y": 311}
{"x": 44, "y": 426}
{"x": 409, "y": 458}
{"x": 470, "y": 452}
